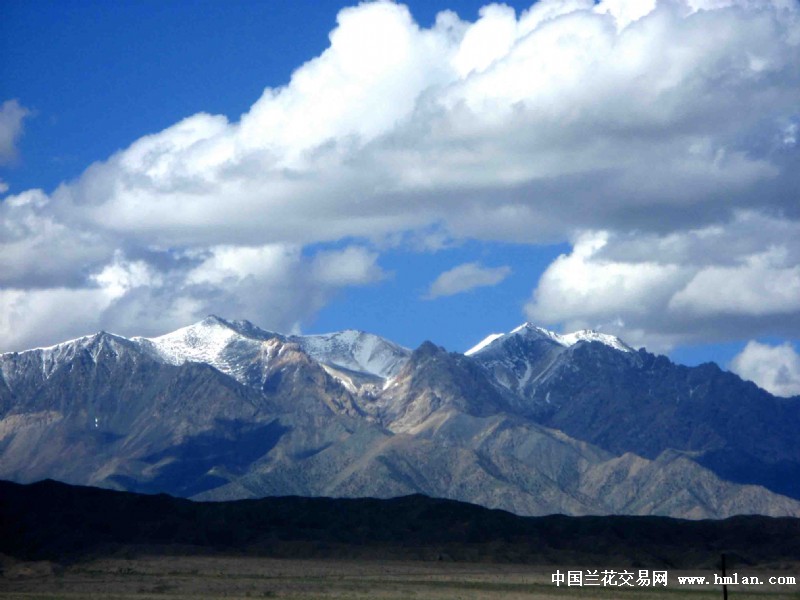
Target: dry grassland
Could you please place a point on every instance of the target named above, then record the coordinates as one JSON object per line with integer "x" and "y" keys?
{"x": 179, "y": 578}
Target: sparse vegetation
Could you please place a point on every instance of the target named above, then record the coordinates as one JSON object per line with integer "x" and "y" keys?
{"x": 190, "y": 578}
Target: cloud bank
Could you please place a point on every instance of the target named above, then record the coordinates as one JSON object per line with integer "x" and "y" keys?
{"x": 658, "y": 126}
{"x": 719, "y": 282}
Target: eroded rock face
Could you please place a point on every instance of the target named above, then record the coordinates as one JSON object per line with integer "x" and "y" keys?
{"x": 532, "y": 422}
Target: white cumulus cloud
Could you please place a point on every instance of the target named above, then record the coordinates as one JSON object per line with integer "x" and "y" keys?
{"x": 774, "y": 368}
{"x": 708, "y": 284}
{"x": 152, "y": 294}
{"x": 656, "y": 121}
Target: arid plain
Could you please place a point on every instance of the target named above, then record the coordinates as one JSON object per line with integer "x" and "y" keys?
{"x": 182, "y": 577}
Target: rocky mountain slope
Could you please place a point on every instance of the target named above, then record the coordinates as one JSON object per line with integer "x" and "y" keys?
{"x": 632, "y": 401}
{"x": 531, "y": 421}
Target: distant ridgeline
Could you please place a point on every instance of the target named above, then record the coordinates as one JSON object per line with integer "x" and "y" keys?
{"x": 59, "y": 522}
{"x": 530, "y": 421}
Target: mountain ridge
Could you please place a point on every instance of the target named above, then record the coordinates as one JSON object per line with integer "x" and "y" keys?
{"x": 49, "y": 520}
{"x": 533, "y": 422}
{"x": 567, "y": 340}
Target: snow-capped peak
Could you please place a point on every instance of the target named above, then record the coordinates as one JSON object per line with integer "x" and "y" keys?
{"x": 77, "y": 343}
{"x": 228, "y": 345}
{"x": 214, "y": 341}
{"x": 200, "y": 342}
{"x": 51, "y": 357}
{"x": 567, "y": 340}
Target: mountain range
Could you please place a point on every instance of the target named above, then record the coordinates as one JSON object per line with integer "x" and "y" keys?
{"x": 530, "y": 421}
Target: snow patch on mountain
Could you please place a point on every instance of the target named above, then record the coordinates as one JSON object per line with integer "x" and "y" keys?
{"x": 483, "y": 343}
{"x": 589, "y": 335}
{"x": 356, "y": 351}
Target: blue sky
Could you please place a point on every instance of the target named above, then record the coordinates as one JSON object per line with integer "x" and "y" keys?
{"x": 418, "y": 174}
